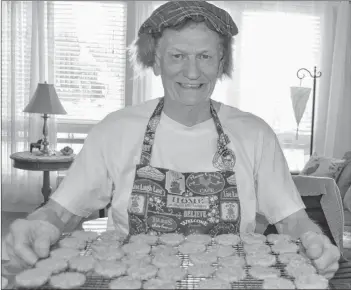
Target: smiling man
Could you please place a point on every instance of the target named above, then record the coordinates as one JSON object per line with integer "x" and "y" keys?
{"x": 181, "y": 163}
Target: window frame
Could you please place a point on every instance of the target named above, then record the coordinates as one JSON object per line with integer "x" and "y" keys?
{"x": 79, "y": 126}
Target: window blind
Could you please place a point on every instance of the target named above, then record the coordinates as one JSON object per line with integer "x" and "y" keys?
{"x": 89, "y": 57}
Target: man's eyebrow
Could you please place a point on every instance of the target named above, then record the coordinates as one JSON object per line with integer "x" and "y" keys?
{"x": 182, "y": 51}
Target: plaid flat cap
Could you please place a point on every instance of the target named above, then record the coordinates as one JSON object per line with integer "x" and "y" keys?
{"x": 174, "y": 12}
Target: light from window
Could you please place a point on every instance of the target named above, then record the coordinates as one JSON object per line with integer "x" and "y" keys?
{"x": 89, "y": 57}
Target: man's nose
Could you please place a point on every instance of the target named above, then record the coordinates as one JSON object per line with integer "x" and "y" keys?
{"x": 191, "y": 70}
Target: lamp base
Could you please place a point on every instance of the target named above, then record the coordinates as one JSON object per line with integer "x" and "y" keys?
{"x": 47, "y": 152}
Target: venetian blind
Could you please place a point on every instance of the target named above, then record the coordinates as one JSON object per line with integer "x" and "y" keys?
{"x": 89, "y": 57}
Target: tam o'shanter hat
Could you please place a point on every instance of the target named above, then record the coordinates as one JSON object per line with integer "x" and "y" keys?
{"x": 174, "y": 12}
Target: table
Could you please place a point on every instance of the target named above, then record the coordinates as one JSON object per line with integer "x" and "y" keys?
{"x": 37, "y": 162}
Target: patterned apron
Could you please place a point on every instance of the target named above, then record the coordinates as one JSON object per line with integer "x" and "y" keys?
{"x": 166, "y": 201}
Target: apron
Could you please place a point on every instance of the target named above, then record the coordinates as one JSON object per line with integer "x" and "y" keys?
{"x": 166, "y": 201}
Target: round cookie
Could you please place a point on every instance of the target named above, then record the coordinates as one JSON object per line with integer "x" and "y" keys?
{"x": 278, "y": 283}
{"x": 201, "y": 271}
{"x": 98, "y": 246}
{"x": 164, "y": 250}
{"x": 224, "y": 251}
{"x": 252, "y": 238}
{"x": 277, "y": 238}
{"x": 111, "y": 236}
{"x": 199, "y": 239}
{"x": 297, "y": 269}
{"x": 136, "y": 249}
{"x": 74, "y": 243}
{"x": 87, "y": 236}
{"x": 163, "y": 261}
{"x": 256, "y": 248}
{"x": 68, "y": 280}
{"x": 31, "y": 278}
{"x": 64, "y": 253}
{"x": 232, "y": 261}
{"x": 142, "y": 272}
{"x": 159, "y": 284}
{"x": 214, "y": 284}
{"x": 54, "y": 265}
{"x": 125, "y": 282}
{"x": 261, "y": 272}
{"x": 82, "y": 263}
{"x": 191, "y": 248}
{"x": 144, "y": 238}
{"x": 137, "y": 260}
{"x": 312, "y": 281}
{"x": 286, "y": 258}
{"x": 108, "y": 254}
{"x": 110, "y": 269}
{"x": 263, "y": 259}
{"x": 231, "y": 274}
{"x": 227, "y": 239}
{"x": 172, "y": 239}
{"x": 285, "y": 247}
{"x": 203, "y": 258}
{"x": 172, "y": 273}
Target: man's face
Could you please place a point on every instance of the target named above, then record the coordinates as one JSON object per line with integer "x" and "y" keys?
{"x": 189, "y": 62}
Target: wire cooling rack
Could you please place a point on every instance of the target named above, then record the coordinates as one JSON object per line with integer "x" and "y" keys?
{"x": 94, "y": 281}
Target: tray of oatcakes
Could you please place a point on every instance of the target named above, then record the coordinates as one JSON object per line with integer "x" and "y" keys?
{"x": 90, "y": 260}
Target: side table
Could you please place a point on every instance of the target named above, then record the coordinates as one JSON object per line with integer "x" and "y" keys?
{"x": 36, "y": 162}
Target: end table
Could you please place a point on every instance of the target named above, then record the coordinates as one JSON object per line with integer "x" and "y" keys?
{"x": 35, "y": 162}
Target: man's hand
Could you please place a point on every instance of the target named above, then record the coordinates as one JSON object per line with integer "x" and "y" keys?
{"x": 324, "y": 255}
{"x": 29, "y": 240}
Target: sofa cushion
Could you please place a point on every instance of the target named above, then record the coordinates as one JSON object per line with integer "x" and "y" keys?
{"x": 323, "y": 166}
{"x": 347, "y": 204}
{"x": 344, "y": 179}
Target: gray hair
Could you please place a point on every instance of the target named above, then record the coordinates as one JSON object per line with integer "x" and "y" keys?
{"x": 143, "y": 50}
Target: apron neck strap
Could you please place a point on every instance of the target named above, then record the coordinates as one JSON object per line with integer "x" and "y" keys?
{"x": 154, "y": 120}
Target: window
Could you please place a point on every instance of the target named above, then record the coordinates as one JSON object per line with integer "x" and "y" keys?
{"x": 89, "y": 64}
{"x": 272, "y": 47}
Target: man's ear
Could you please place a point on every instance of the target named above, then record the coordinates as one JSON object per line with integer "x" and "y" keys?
{"x": 157, "y": 65}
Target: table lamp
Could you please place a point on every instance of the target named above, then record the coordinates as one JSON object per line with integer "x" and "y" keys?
{"x": 45, "y": 101}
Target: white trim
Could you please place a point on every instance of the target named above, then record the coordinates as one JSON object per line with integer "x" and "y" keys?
{"x": 130, "y": 37}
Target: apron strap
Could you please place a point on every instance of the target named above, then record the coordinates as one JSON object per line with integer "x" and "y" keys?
{"x": 154, "y": 120}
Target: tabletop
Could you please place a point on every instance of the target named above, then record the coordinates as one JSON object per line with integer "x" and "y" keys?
{"x": 38, "y": 157}
{"x": 341, "y": 280}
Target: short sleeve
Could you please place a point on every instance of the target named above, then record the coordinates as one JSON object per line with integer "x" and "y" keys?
{"x": 86, "y": 187}
{"x": 277, "y": 195}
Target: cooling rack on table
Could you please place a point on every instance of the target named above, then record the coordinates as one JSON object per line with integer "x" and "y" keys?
{"x": 94, "y": 281}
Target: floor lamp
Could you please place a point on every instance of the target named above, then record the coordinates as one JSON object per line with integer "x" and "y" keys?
{"x": 301, "y": 75}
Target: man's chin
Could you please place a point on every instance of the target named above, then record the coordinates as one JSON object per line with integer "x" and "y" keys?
{"x": 193, "y": 100}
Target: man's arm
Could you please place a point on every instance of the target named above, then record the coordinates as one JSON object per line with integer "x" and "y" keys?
{"x": 57, "y": 215}
{"x": 297, "y": 224}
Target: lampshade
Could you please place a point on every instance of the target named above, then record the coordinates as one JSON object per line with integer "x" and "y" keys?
{"x": 45, "y": 101}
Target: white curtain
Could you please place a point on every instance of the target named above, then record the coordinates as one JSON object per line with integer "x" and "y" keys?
{"x": 333, "y": 110}
{"x": 141, "y": 80}
{"x": 26, "y": 54}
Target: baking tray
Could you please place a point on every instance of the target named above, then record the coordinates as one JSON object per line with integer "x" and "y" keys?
{"x": 94, "y": 281}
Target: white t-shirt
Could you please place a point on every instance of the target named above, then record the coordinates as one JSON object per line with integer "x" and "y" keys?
{"x": 113, "y": 147}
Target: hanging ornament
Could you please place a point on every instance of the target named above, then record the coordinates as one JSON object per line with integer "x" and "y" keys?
{"x": 299, "y": 97}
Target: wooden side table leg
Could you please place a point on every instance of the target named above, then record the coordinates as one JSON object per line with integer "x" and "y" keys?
{"x": 46, "y": 189}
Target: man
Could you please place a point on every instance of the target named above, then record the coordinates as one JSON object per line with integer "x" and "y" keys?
{"x": 182, "y": 163}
